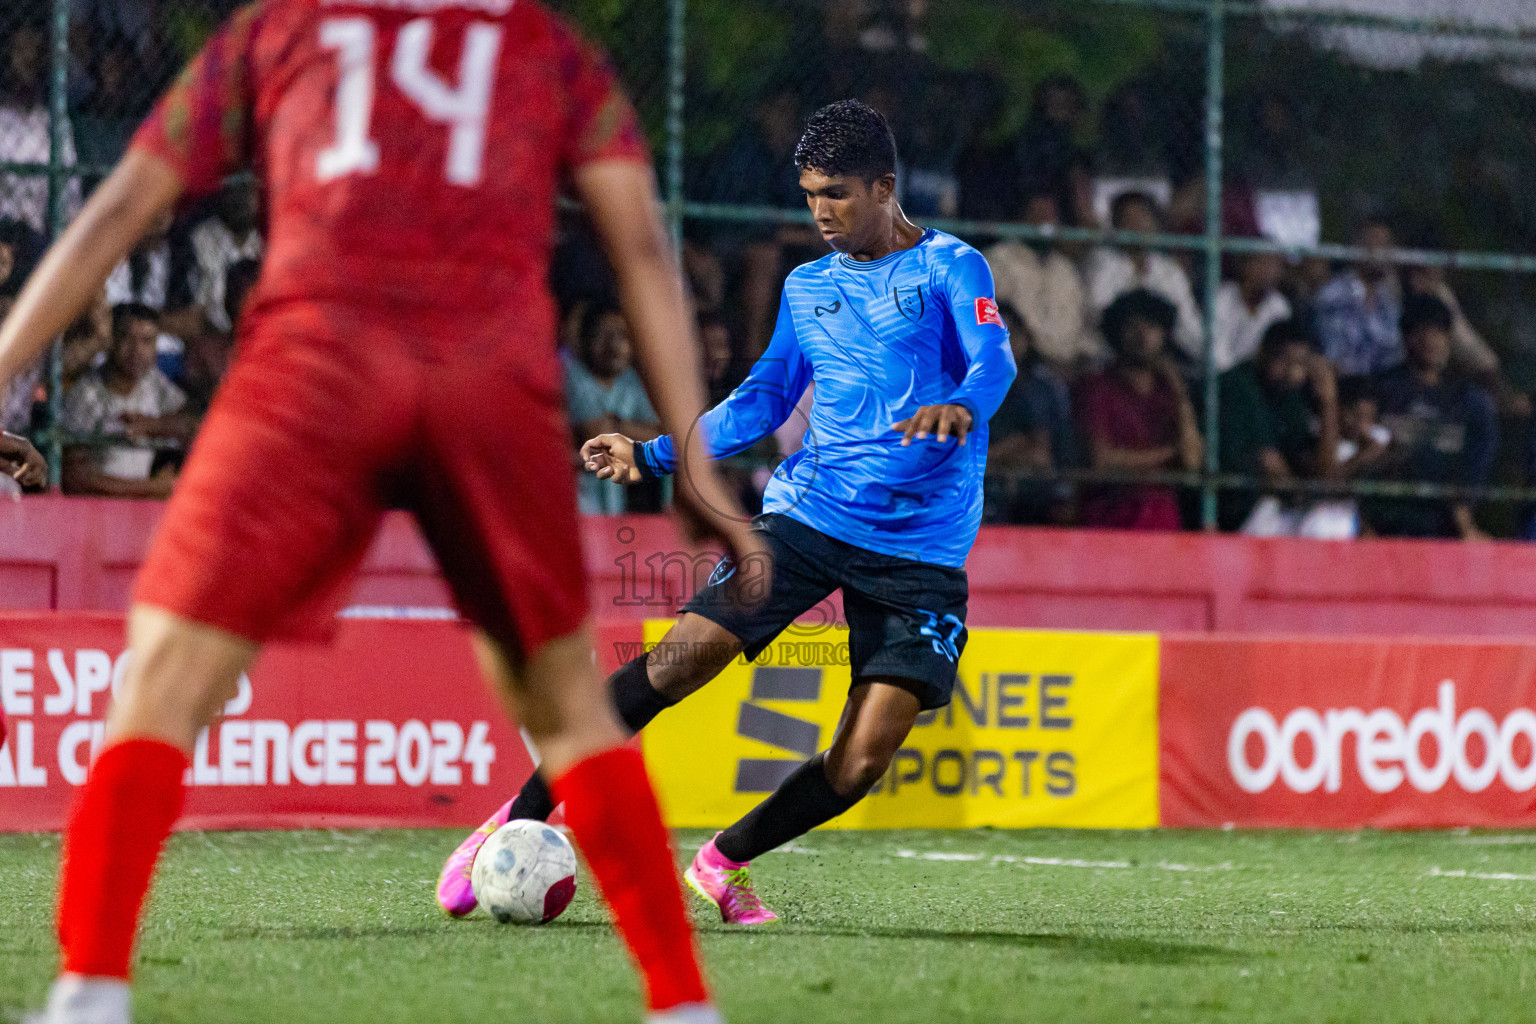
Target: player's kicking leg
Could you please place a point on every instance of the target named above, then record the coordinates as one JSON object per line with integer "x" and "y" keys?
{"x": 180, "y": 674}
{"x": 875, "y": 723}
{"x": 906, "y": 624}
{"x": 610, "y": 807}
{"x": 693, "y": 652}
{"x": 714, "y": 629}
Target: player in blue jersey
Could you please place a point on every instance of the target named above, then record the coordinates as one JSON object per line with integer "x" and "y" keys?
{"x": 899, "y": 330}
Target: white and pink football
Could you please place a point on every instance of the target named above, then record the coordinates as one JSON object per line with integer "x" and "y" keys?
{"x": 525, "y": 873}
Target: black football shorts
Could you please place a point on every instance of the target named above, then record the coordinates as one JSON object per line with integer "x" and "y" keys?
{"x": 906, "y": 619}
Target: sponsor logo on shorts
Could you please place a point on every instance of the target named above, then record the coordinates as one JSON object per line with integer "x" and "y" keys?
{"x": 943, "y": 632}
{"x": 724, "y": 570}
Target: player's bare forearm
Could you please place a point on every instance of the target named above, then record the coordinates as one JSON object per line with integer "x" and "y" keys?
{"x": 1328, "y": 440}
{"x": 179, "y": 426}
{"x": 1191, "y": 451}
{"x": 184, "y": 323}
{"x": 117, "y": 217}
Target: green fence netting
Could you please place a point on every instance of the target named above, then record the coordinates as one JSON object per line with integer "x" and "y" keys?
{"x": 1283, "y": 126}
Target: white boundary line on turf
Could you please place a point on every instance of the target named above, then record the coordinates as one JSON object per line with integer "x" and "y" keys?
{"x": 1489, "y": 876}
{"x": 1053, "y": 862}
{"x": 1520, "y": 840}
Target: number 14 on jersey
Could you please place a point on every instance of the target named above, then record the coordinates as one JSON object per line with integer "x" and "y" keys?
{"x": 462, "y": 108}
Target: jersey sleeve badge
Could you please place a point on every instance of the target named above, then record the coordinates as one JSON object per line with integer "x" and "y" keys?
{"x": 986, "y": 313}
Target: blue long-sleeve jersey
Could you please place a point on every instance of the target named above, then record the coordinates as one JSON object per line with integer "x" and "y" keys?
{"x": 879, "y": 339}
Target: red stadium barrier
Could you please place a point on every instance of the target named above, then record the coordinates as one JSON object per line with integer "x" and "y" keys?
{"x": 79, "y": 554}
{"x": 1347, "y": 733}
{"x": 390, "y": 726}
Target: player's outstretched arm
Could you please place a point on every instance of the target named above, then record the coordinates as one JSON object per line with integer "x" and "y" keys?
{"x": 621, "y": 200}
{"x": 755, "y": 409}
{"x": 119, "y": 214}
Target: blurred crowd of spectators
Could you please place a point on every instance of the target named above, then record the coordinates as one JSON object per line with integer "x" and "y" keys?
{"x": 140, "y": 368}
{"x": 1327, "y": 373}
{"x": 1374, "y": 374}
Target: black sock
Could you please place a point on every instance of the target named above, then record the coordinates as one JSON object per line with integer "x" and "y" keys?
{"x": 637, "y": 702}
{"x": 534, "y": 801}
{"x": 802, "y": 801}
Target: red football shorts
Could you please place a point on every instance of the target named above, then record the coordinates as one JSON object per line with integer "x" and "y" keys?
{"x": 317, "y": 431}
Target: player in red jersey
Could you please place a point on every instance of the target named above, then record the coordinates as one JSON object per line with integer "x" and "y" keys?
{"x": 399, "y": 348}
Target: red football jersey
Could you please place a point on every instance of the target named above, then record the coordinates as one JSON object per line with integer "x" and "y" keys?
{"x": 410, "y": 151}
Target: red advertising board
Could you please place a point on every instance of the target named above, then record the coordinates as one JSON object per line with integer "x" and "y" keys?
{"x": 389, "y": 726}
{"x": 392, "y": 726}
{"x": 1321, "y": 733}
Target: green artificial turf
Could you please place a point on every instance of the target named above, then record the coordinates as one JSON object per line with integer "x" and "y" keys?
{"x": 880, "y": 927}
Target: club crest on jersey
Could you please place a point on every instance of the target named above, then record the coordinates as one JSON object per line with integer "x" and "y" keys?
{"x": 909, "y": 301}
{"x": 987, "y": 313}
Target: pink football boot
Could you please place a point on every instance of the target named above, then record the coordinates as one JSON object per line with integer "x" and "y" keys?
{"x": 725, "y": 883}
{"x": 454, "y": 893}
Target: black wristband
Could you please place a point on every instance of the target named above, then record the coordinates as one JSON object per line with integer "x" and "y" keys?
{"x": 643, "y": 463}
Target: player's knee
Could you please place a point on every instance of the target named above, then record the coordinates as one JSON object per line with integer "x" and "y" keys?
{"x": 678, "y": 670}
{"x": 856, "y": 773}
{"x": 178, "y": 678}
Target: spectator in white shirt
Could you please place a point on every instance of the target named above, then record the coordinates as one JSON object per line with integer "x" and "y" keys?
{"x": 218, "y": 243}
{"x": 1113, "y": 272}
{"x": 1044, "y": 286}
{"x": 129, "y": 398}
{"x": 1246, "y": 307}
{"x": 144, "y": 277}
{"x": 153, "y": 276}
{"x": 24, "y": 132}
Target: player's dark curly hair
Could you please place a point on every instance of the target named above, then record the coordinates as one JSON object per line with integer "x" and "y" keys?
{"x": 1139, "y": 304}
{"x": 848, "y": 137}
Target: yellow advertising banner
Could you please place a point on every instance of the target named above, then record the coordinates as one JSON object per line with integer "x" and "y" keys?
{"x": 1045, "y": 729}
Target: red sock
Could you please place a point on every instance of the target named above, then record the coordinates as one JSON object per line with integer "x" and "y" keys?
{"x": 120, "y": 820}
{"x": 610, "y": 807}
